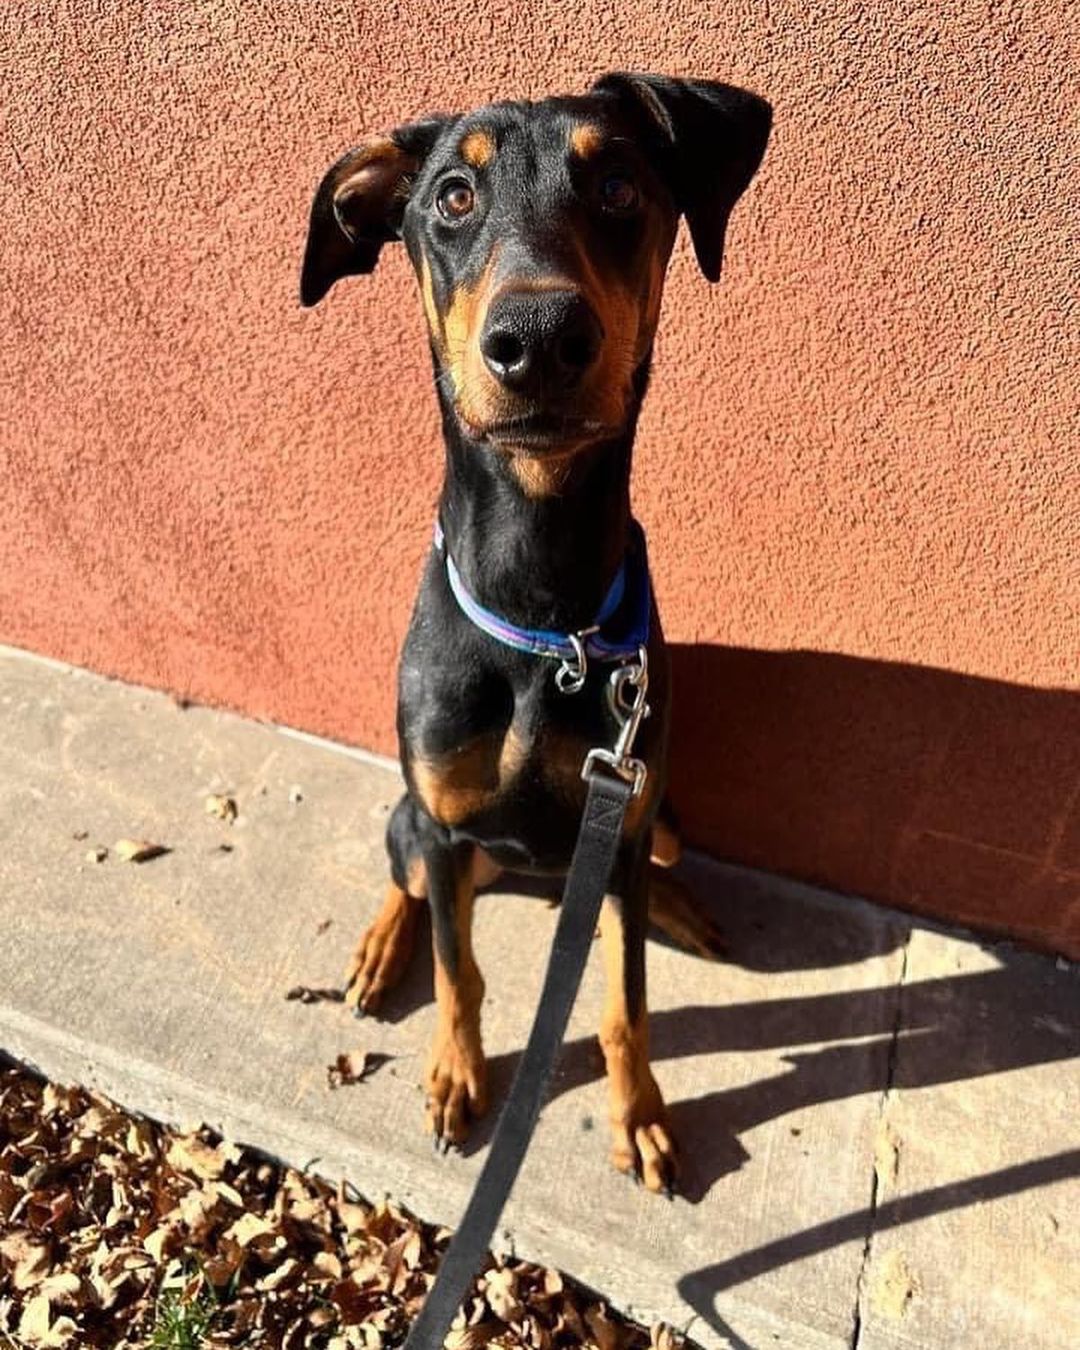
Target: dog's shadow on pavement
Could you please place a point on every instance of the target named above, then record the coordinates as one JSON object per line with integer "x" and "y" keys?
{"x": 906, "y": 1036}
{"x": 916, "y": 1033}
{"x": 834, "y": 1045}
{"x": 933, "y": 1031}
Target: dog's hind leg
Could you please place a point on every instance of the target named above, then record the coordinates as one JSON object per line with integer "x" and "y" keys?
{"x": 382, "y": 955}
{"x": 666, "y": 847}
{"x": 673, "y": 909}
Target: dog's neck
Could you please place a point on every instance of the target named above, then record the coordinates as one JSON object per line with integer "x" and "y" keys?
{"x": 546, "y": 559}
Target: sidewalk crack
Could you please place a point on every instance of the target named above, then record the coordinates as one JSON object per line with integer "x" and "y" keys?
{"x": 875, "y": 1180}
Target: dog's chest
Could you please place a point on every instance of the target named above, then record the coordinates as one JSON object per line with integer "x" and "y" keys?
{"x": 494, "y": 753}
{"x": 512, "y": 771}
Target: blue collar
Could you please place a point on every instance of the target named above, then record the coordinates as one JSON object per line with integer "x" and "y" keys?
{"x": 629, "y": 600}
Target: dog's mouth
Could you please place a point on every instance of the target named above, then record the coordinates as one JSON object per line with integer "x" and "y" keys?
{"x": 540, "y": 433}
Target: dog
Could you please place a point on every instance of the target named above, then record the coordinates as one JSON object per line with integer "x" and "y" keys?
{"x": 540, "y": 234}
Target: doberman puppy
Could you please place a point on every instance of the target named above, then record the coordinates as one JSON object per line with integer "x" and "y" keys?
{"x": 540, "y": 234}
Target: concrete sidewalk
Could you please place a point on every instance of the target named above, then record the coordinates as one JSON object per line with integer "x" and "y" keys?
{"x": 879, "y": 1118}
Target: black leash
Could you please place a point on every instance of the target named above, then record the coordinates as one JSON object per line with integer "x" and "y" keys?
{"x": 586, "y": 883}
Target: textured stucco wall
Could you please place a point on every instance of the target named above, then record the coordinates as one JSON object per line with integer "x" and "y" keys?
{"x": 861, "y": 444}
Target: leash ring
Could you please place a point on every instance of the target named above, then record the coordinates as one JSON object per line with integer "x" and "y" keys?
{"x": 572, "y": 672}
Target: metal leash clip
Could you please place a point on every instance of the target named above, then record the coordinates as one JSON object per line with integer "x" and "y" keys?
{"x": 570, "y": 677}
{"x": 626, "y": 694}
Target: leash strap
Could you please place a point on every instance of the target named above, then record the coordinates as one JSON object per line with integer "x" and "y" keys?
{"x": 586, "y": 883}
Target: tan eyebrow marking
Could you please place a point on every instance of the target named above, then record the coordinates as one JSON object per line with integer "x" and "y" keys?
{"x": 585, "y": 139}
{"x": 478, "y": 148}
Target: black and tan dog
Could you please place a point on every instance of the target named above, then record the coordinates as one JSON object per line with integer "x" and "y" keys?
{"x": 540, "y": 234}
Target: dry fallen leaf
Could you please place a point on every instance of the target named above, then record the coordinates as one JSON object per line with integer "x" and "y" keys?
{"x": 37, "y": 1327}
{"x": 353, "y": 1067}
{"x": 189, "y": 1153}
{"x": 200, "y": 1210}
{"x": 281, "y": 1275}
{"x": 470, "y": 1338}
{"x": 606, "y": 1333}
{"x": 26, "y": 1258}
{"x": 500, "y": 1290}
{"x": 326, "y": 1263}
{"x": 553, "y": 1282}
{"x": 34, "y": 1323}
{"x": 249, "y": 1227}
{"x": 138, "y": 850}
{"x": 62, "y": 1288}
{"x": 221, "y": 806}
{"x": 164, "y": 1241}
{"x": 302, "y": 993}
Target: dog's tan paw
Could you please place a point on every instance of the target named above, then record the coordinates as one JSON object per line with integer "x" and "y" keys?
{"x": 383, "y": 953}
{"x": 642, "y": 1141}
{"x": 456, "y": 1087}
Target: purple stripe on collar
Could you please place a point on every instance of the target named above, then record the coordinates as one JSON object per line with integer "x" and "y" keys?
{"x": 559, "y": 646}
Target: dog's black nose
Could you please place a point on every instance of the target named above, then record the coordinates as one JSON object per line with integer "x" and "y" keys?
{"x": 535, "y": 341}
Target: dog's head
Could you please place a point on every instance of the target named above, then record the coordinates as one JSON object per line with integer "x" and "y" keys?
{"x": 540, "y": 233}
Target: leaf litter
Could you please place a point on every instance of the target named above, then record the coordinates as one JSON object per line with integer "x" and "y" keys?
{"x": 116, "y": 1231}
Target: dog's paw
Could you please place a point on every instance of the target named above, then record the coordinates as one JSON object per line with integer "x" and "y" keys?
{"x": 642, "y": 1144}
{"x": 383, "y": 953}
{"x": 456, "y": 1088}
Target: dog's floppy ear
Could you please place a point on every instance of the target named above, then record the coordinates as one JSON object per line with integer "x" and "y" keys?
{"x": 711, "y": 139}
{"x": 359, "y": 205}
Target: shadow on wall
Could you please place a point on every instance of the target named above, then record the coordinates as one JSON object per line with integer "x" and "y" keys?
{"x": 942, "y": 793}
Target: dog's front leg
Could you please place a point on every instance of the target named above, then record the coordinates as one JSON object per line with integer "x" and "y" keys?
{"x": 642, "y": 1141}
{"x": 457, "y": 1070}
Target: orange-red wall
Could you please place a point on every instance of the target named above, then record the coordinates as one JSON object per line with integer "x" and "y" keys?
{"x": 857, "y": 464}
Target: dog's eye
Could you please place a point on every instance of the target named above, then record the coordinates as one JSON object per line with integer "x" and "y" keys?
{"x": 455, "y": 199}
{"x": 619, "y": 194}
